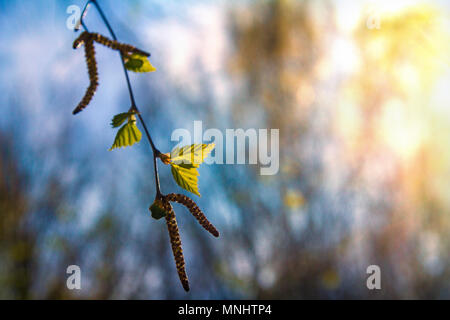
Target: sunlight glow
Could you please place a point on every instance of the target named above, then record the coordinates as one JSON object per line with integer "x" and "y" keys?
{"x": 400, "y": 130}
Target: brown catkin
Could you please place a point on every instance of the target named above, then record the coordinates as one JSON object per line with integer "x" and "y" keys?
{"x": 194, "y": 209}
{"x": 80, "y": 40}
{"x": 175, "y": 241}
{"x": 89, "y": 52}
{"x": 115, "y": 45}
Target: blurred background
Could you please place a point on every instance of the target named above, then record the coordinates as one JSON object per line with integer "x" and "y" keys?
{"x": 359, "y": 91}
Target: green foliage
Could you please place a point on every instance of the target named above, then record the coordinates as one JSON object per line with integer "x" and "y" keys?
{"x": 139, "y": 63}
{"x": 185, "y": 161}
{"x": 120, "y": 118}
{"x": 186, "y": 177}
{"x": 157, "y": 210}
{"x": 128, "y": 134}
{"x": 194, "y": 154}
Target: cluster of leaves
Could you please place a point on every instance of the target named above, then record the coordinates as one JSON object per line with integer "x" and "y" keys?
{"x": 184, "y": 161}
{"x": 129, "y": 133}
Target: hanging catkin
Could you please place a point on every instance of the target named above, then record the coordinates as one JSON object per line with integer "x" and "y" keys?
{"x": 88, "y": 39}
{"x": 175, "y": 241}
{"x": 194, "y": 209}
{"x": 89, "y": 52}
{"x": 115, "y": 45}
{"x": 80, "y": 40}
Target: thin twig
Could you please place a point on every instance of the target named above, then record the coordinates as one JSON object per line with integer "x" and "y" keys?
{"x": 134, "y": 107}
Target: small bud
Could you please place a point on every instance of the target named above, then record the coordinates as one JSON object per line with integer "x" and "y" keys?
{"x": 165, "y": 157}
{"x": 157, "y": 210}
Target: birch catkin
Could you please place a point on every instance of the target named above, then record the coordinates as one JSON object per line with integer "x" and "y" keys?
{"x": 195, "y": 210}
{"x": 115, "y": 45}
{"x": 80, "y": 40}
{"x": 175, "y": 241}
{"x": 89, "y": 52}
{"x": 88, "y": 39}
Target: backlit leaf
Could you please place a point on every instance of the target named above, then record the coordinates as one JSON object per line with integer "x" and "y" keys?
{"x": 186, "y": 176}
{"x": 127, "y": 135}
{"x": 193, "y": 154}
{"x": 139, "y": 63}
{"x": 120, "y": 118}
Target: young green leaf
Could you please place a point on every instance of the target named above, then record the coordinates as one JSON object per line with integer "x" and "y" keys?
{"x": 139, "y": 63}
{"x": 120, "y": 118}
{"x": 193, "y": 154}
{"x": 128, "y": 135}
{"x": 186, "y": 176}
